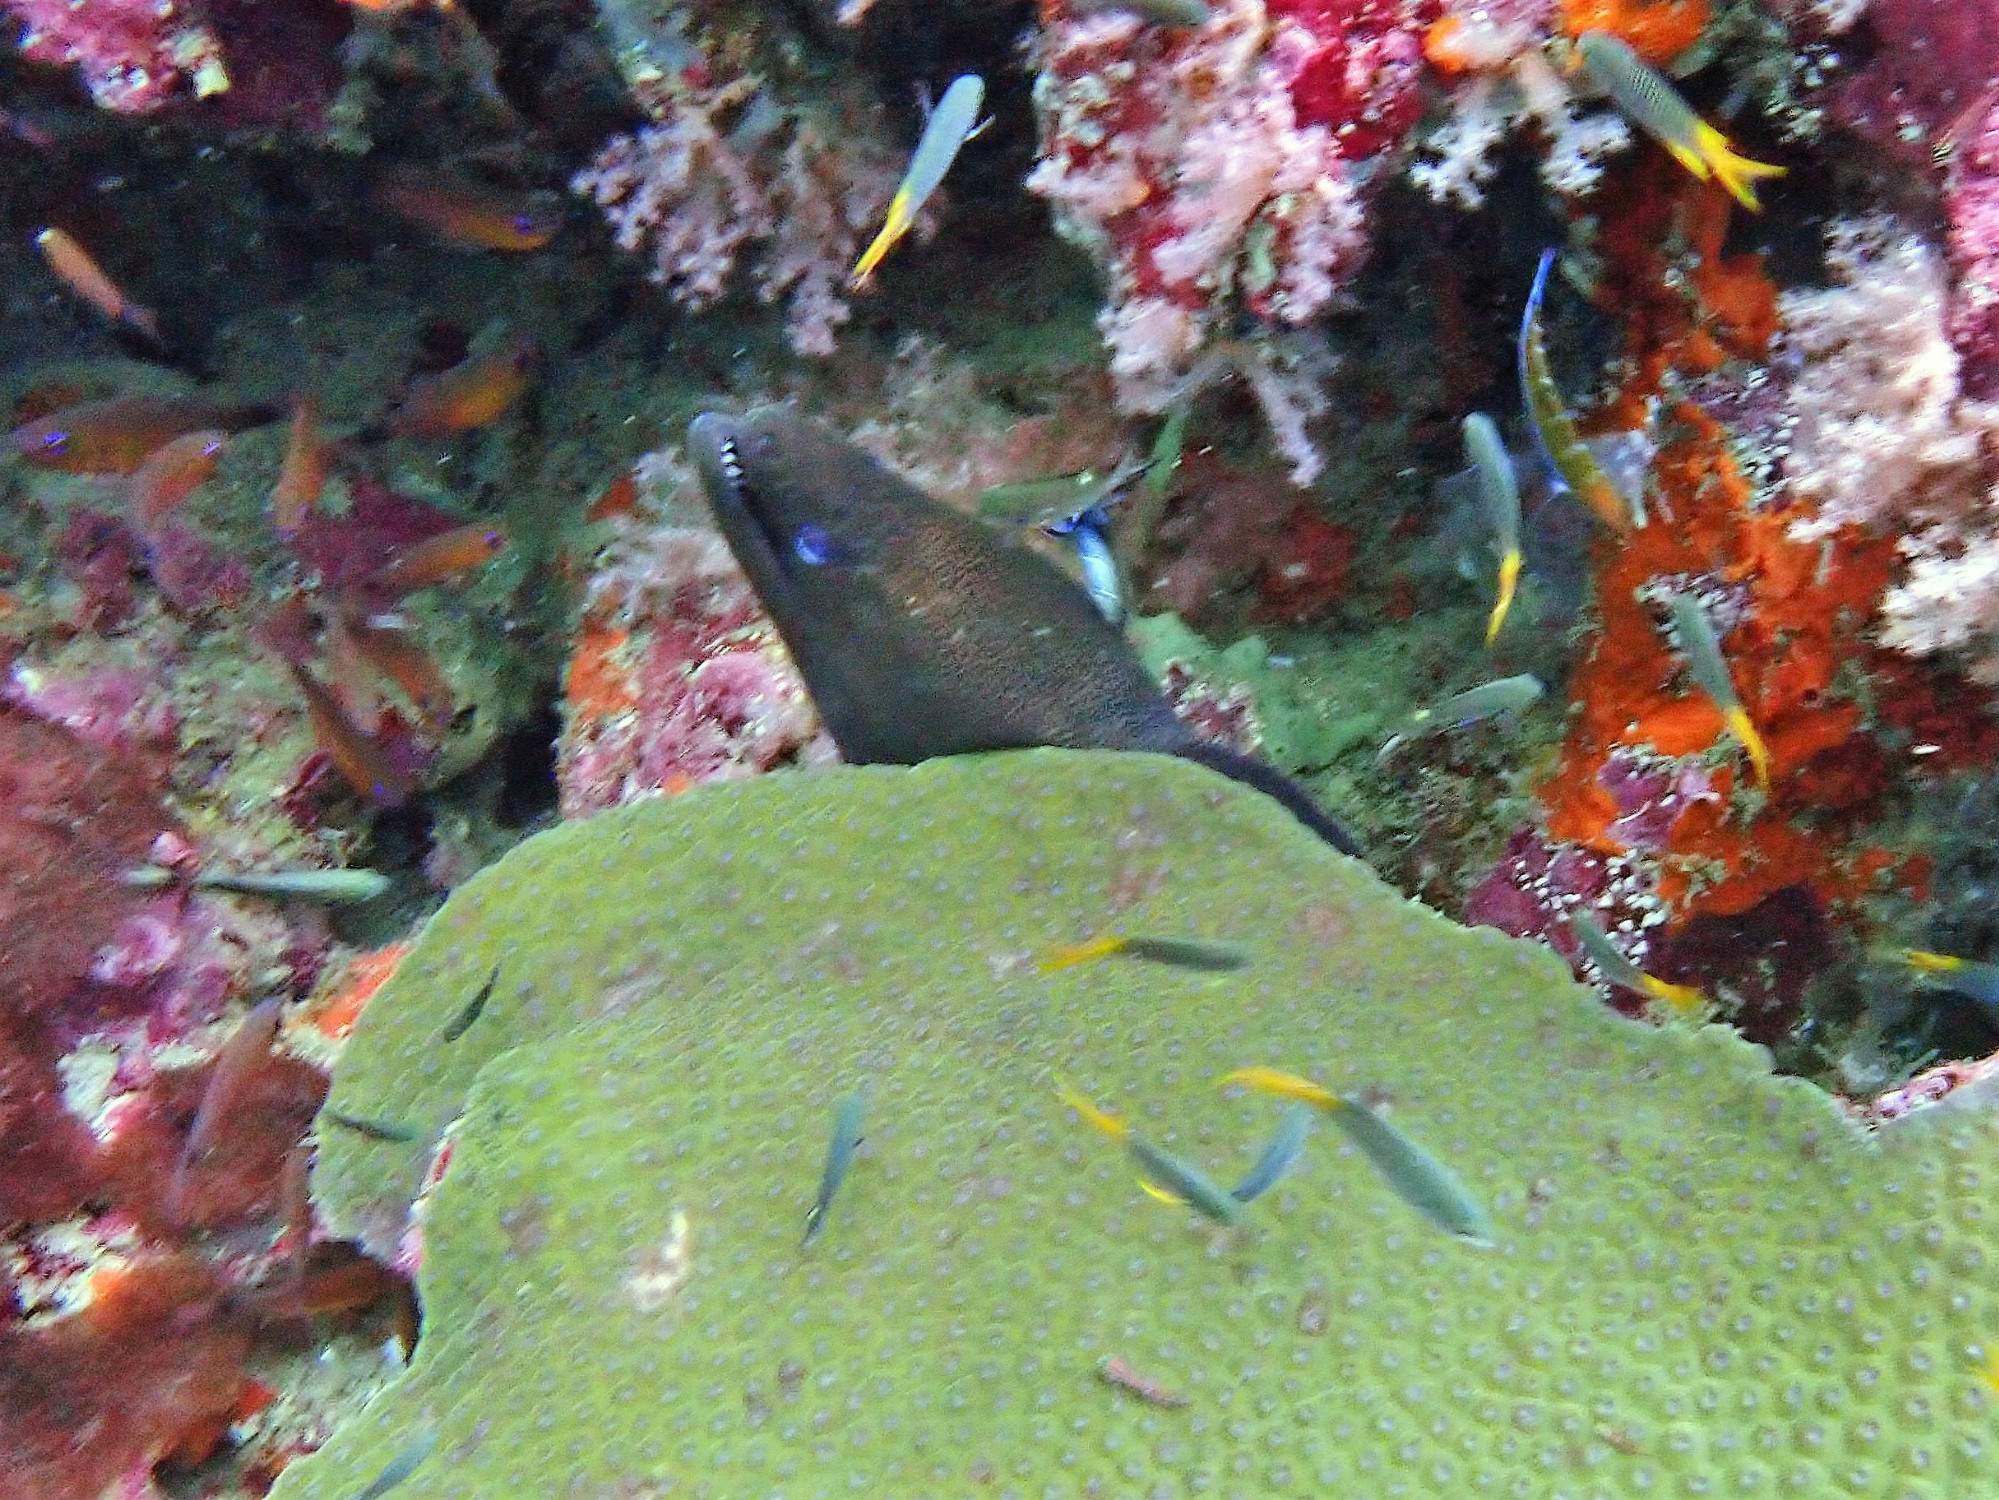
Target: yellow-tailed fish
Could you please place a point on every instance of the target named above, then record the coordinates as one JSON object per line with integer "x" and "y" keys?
{"x": 1702, "y": 650}
{"x": 1417, "y": 1178}
{"x": 1648, "y": 100}
{"x": 1488, "y": 700}
{"x": 1162, "y": 1175}
{"x": 1973, "y": 978}
{"x": 846, "y": 1140}
{"x": 374, "y": 1130}
{"x": 1611, "y": 963}
{"x": 1500, "y": 490}
{"x": 1569, "y": 459}
{"x": 950, "y": 125}
{"x": 1206, "y": 955}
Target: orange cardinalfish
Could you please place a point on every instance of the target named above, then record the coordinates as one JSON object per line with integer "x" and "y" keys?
{"x": 354, "y": 752}
{"x": 84, "y": 276}
{"x": 439, "y": 558}
{"x": 392, "y": 651}
{"x": 469, "y": 215}
{"x": 470, "y": 394}
{"x": 302, "y": 477}
{"x": 173, "y": 472}
{"x": 117, "y": 435}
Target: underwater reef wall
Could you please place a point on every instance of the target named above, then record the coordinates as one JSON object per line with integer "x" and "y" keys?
{"x": 614, "y": 1058}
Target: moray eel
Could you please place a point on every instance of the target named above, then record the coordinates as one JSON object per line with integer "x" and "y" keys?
{"x": 921, "y": 632}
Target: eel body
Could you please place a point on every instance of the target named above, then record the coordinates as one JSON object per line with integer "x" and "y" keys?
{"x": 921, "y": 632}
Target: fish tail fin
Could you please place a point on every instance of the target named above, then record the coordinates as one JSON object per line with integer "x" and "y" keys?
{"x": 893, "y": 227}
{"x": 1681, "y": 999}
{"x": 1071, "y": 954}
{"x": 1736, "y": 173}
{"x": 1745, "y": 730}
{"x": 1100, "y": 1119}
{"x": 144, "y": 319}
{"x": 1509, "y": 580}
{"x": 1277, "y": 1081}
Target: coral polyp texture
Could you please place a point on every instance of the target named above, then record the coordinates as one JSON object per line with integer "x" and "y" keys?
{"x": 1705, "y": 1279}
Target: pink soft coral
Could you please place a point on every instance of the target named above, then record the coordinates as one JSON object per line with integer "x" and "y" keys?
{"x": 133, "y": 55}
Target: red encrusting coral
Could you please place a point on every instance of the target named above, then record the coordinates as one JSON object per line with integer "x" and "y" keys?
{"x": 1650, "y": 809}
{"x": 98, "y": 1397}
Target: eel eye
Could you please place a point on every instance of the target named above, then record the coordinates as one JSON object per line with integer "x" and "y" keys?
{"x": 812, "y": 546}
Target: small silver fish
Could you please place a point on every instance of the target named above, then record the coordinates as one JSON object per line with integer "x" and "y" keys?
{"x": 1278, "y": 1157}
{"x": 839, "y": 1157}
{"x": 399, "y": 1468}
{"x": 1488, "y": 700}
{"x": 1417, "y": 1177}
{"x": 1102, "y": 580}
{"x": 328, "y": 887}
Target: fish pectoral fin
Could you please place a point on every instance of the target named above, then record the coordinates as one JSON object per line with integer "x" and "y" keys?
{"x": 1160, "y": 1195}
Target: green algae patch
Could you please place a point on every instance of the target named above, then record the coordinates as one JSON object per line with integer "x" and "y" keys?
{"x": 1705, "y": 1280}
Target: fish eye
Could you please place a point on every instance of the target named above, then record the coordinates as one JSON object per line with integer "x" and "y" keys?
{"x": 813, "y": 546}
{"x": 56, "y": 441}
{"x": 524, "y": 224}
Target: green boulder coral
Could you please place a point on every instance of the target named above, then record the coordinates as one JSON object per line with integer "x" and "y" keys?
{"x": 1706, "y": 1280}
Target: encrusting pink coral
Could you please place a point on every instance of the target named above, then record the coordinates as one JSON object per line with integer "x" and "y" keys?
{"x": 678, "y": 677}
{"x": 133, "y": 55}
